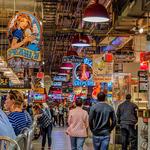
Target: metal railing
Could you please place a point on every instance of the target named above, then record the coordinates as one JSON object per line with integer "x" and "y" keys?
{"x": 7, "y": 143}
{"x": 22, "y": 142}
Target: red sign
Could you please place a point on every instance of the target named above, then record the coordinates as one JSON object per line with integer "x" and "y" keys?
{"x": 146, "y": 56}
{"x": 40, "y": 75}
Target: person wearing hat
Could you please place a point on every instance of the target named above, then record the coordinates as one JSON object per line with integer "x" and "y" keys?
{"x": 102, "y": 121}
{"x": 127, "y": 118}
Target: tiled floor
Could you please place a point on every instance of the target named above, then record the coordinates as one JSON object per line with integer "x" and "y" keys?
{"x": 60, "y": 141}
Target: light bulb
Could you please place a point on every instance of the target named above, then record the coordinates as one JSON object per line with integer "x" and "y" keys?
{"x": 141, "y": 30}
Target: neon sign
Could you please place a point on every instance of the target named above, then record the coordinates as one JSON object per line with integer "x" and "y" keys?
{"x": 60, "y": 78}
{"x": 83, "y": 73}
{"x": 57, "y": 84}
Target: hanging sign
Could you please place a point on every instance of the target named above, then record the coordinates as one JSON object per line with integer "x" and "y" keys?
{"x": 60, "y": 78}
{"x": 25, "y": 37}
{"x": 82, "y": 75}
{"x": 73, "y": 59}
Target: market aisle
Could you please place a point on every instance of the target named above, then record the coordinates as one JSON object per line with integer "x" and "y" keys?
{"x": 60, "y": 141}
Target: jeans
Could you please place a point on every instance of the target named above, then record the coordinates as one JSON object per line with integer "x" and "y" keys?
{"x": 101, "y": 142}
{"x": 48, "y": 131}
{"x": 128, "y": 132}
{"x": 77, "y": 143}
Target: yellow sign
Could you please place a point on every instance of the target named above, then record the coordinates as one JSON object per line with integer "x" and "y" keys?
{"x": 101, "y": 68}
{"x": 103, "y": 79}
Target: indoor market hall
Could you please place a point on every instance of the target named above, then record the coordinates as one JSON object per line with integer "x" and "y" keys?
{"x": 75, "y": 75}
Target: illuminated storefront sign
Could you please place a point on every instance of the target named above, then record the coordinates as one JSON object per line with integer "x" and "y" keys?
{"x": 73, "y": 59}
{"x": 60, "y": 78}
{"x": 55, "y": 96}
{"x": 83, "y": 83}
{"x": 57, "y": 84}
{"x": 82, "y": 75}
{"x": 39, "y": 97}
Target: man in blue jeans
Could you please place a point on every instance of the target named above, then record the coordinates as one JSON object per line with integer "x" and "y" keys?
{"x": 102, "y": 120}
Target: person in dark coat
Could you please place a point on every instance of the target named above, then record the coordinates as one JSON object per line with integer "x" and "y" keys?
{"x": 127, "y": 118}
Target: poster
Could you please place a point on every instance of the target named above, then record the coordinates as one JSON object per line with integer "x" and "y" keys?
{"x": 101, "y": 68}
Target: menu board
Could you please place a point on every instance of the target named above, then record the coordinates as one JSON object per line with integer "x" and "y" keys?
{"x": 143, "y": 81}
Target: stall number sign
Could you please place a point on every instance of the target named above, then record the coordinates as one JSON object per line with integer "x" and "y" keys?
{"x": 143, "y": 81}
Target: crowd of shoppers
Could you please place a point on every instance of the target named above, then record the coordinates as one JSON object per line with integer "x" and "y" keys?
{"x": 100, "y": 118}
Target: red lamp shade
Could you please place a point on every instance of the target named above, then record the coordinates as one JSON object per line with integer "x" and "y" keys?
{"x": 72, "y": 53}
{"x": 80, "y": 41}
{"x": 66, "y": 66}
{"x": 96, "y": 13}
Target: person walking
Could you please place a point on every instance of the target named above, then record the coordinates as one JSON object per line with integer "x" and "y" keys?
{"x": 102, "y": 121}
{"x": 78, "y": 125}
{"x": 61, "y": 115}
{"x": 45, "y": 122}
{"x": 55, "y": 115}
{"x": 127, "y": 118}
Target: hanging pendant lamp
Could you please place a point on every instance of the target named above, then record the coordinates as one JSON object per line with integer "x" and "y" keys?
{"x": 63, "y": 72}
{"x": 96, "y": 13}
{"x": 66, "y": 65}
{"x": 80, "y": 40}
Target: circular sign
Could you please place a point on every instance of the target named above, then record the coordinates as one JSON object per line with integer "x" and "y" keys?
{"x": 83, "y": 72}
